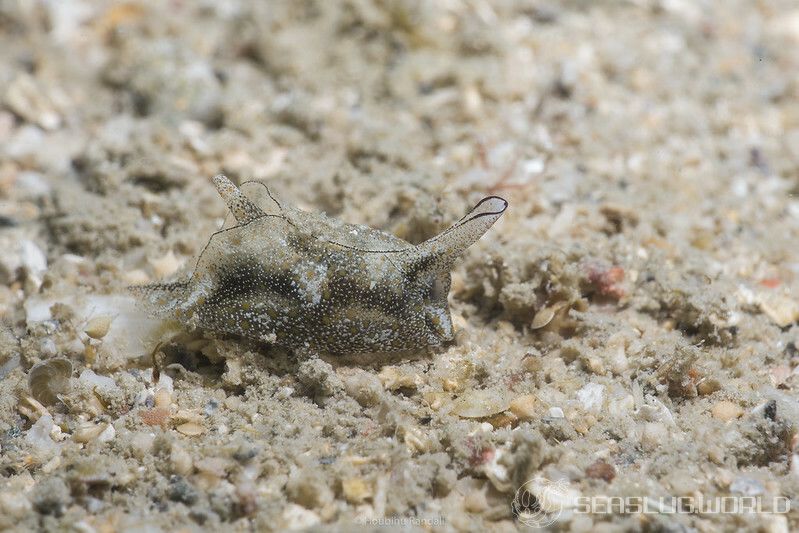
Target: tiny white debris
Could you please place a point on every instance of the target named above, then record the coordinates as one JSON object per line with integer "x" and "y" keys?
{"x": 32, "y": 184}
{"x": 33, "y": 258}
{"x": 93, "y": 380}
{"x": 591, "y": 396}
{"x": 747, "y": 486}
{"x": 297, "y": 517}
{"x": 534, "y": 166}
{"x": 165, "y": 383}
{"x": 20, "y": 253}
{"x": 556, "y": 412}
{"x": 621, "y": 404}
{"x": 497, "y": 473}
{"x": 39, "y": 434}
{"x": 108, "y": 434}
{"x": 653, "y": 435}
{"x": 29, "y": 98}
{"x": 553, "y": 496}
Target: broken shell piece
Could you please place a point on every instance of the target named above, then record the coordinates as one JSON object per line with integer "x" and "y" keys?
{"x": 497, "y": 473}
{"x": 190, "y": 429}
{"x": 781, "y": 309}
{"x": 188, "y": 415}
{"x": 436, "y": 400}
{"x": 48, "y": 379}
{"x": 98, "y": 327}
{"x": 162, "y": 399}
{"x": 415, "y": 440}
{"x": 552, "y": 496}
{"x": 394, "y": 378}
{"x": 726, "y": 411}
{"x": 480, "y": 404}
{"x": 545, "y": 315}
{"x": 180, "y": 460}
{"x": 88, "y": 431}
{"x": 32, "y": 409}
{"x": 97, "y": 382}
{"x": 502, "y": 420}
{"x": 40, "y": 435}
{"x": 29, "y": 98}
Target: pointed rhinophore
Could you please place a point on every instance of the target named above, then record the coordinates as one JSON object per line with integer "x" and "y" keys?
{"x": 453, "y": 241}
{"x": 242, "y": 208}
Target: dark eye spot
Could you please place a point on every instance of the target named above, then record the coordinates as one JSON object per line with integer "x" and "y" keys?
{"x": 437, "y": 288}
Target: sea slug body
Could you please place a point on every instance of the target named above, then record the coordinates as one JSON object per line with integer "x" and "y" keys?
{"x": 306, "y": 281}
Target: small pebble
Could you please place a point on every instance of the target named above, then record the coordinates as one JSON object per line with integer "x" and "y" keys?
{"x": 14, "y": 504}
{"x": 480, "y": 403}
{"x": 364, "y": 387}
{"x": 296, "y": 517}
{"x": 215, "y": 466}
{"x": 601, "y": 470}
{"x": 591, "y": 396}
{"x": 708, "y": 386}
{"x": 180, "y": 460}
{"x": 356, "y": 490}
{"x": 525, "y": 407}
{"x": 726, "y": 411}
{"x": 98, "y": 327}
{"x": 781, "y": 309}
{"x": 308, "y": 489}
{"x": 141, "y": 443}
{"x": 747, "y": 486}
{"x": 475, "y": 502}
{"x": 654, "y": 435}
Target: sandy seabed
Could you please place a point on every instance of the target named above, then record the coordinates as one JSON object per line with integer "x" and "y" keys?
{"x": 626, "y": 333}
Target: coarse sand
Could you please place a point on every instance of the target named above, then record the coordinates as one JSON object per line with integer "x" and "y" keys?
{"x": 627, "y": 330}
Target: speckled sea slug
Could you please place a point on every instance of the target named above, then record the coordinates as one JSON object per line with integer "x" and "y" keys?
{"x": 308, "y": 282}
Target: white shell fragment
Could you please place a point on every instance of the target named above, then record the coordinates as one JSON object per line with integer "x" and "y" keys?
{"x": 48, "y": 379}
{"x": 543, "y": 317}
{"x": 481, "y": 403}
